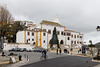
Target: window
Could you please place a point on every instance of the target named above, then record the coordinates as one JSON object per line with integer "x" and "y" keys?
{"x": 62, "y": 33}
{"x": 68, "y": 38}
{"x": 74, "y": 42}
{"x": 34, "y": 43}
{"x": 28, "y": 33}
{"x": 80, "y": 42}
{"x": 32, "y": 39}
{"x": 27, "y": 41}
{"x": 80, "y": 36}
{"x": 43, "y": 34}
{"x": 77, "y": 42}
{"x": 74, "y": 36}
{"x": 49, "y": 31}
{"x": 44, "y": 41}
{"x": 68, "y": 34}
{"x": 58, "y": 32}
{"x": 77, "y": 36}
{"x": 32, "y": 33}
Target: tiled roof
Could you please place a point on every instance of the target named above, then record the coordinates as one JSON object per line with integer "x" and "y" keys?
{"x": 51, "y": 23}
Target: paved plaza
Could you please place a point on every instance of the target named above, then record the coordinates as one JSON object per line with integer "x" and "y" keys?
{"x": 54, "y": 60}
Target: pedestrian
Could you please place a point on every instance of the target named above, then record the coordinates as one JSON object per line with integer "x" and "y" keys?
{"x": 60, "y": 51}
{"x": 3, "y": 54}
{"x": 68, "y": 52}
{"x": 57, "y": 51}
{"x": 20, "y": 57}
{"x": 78, "y": 51}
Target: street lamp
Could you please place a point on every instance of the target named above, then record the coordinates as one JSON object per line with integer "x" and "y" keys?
{"x": 98, "y": 28}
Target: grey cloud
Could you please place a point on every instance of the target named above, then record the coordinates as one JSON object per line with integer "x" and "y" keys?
{"x": 80, "y": 15}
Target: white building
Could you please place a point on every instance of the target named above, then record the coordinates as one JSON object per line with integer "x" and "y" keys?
{"x": 42, "y": 35}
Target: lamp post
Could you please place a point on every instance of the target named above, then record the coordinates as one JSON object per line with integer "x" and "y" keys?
{"x": 98, "y": 29}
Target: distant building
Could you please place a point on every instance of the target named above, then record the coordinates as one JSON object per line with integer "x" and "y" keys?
{"x": 42, "y": 34}
{"x": 29, "y": 24}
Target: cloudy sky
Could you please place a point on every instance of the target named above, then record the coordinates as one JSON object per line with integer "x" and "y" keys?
{"x": 80, "y": 15}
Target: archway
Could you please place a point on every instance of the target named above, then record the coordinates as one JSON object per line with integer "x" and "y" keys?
{"x": 61, "y": 42}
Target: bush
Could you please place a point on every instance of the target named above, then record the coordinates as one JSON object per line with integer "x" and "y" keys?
{"x": 91, "y": 45}
{"x": 11, "y": 53}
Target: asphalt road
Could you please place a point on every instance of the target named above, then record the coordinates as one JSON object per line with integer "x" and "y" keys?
{"x": 54, "y": 60}
{"x": 67, "y": 61}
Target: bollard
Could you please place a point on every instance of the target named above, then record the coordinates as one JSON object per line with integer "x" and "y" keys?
{"x": 20, "y": 58}
{"x": 27, "y": 57}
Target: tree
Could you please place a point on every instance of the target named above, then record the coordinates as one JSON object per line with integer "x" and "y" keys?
{"x": 5, "y": 19}
{"x": 90, "y": 41}
{"x": 97, "y": 45}
{"x": 15, "y": 28}
{"x": 54, "y": 39}
{"x": 91, "y": 45}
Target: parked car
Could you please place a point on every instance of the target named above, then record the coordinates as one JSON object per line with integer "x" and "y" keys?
{"x": 39, "y": 49}
{"x": 12, "y": 49}
{"x": 23, "y": 49}
{"x": 17, "y": 49}
{"x": 30, "y": 49}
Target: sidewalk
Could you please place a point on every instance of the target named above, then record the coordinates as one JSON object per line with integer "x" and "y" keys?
{"x": 74, "y": 52}
{"x": 20, "y": 63}
{"x": 4, "y": 60}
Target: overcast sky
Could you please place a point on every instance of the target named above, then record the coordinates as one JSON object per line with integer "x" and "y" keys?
{"x": 80, "y": 15}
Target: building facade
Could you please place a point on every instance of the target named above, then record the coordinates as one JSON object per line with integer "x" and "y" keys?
{"x": 41, "y": 35}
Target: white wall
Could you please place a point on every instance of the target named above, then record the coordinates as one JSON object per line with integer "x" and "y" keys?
{"x": 8, "y": 46}
{"x": 44, "y": 45}
{"x": 20, "y": 37}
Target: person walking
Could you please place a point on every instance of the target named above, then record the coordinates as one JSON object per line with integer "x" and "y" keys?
{"x": 44, "y": 52}
{"x": 60, "y": 51}
{"x": 57, "y": 51}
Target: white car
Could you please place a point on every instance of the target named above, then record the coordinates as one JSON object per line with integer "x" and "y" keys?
{"x": 30, "y": 49}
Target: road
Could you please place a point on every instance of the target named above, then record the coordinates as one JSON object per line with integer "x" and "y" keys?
{"x": 54, "y": 60}
{"x": 65, "y": 61}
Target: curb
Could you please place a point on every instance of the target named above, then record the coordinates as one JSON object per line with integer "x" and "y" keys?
{"x": 95, "y": 60}
{"x": 7, "y": 62}
{"x": 3, "y": 63}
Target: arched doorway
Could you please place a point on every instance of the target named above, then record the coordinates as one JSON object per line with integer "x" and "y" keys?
{"x": 61, "y": 42}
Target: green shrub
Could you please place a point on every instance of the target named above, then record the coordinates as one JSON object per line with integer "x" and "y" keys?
{"x": 91, "y": 45}
{"x": 11, "y": 53}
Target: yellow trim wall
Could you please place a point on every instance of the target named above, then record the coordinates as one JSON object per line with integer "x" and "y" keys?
{"x": 24, "y": 36}
{"x": 40, "y": 39}
{"x": 29, "y": 27}
{"x": 41, "y": 26}
{"x": 36, "y": 39}
{"x": 64, "y": 28}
